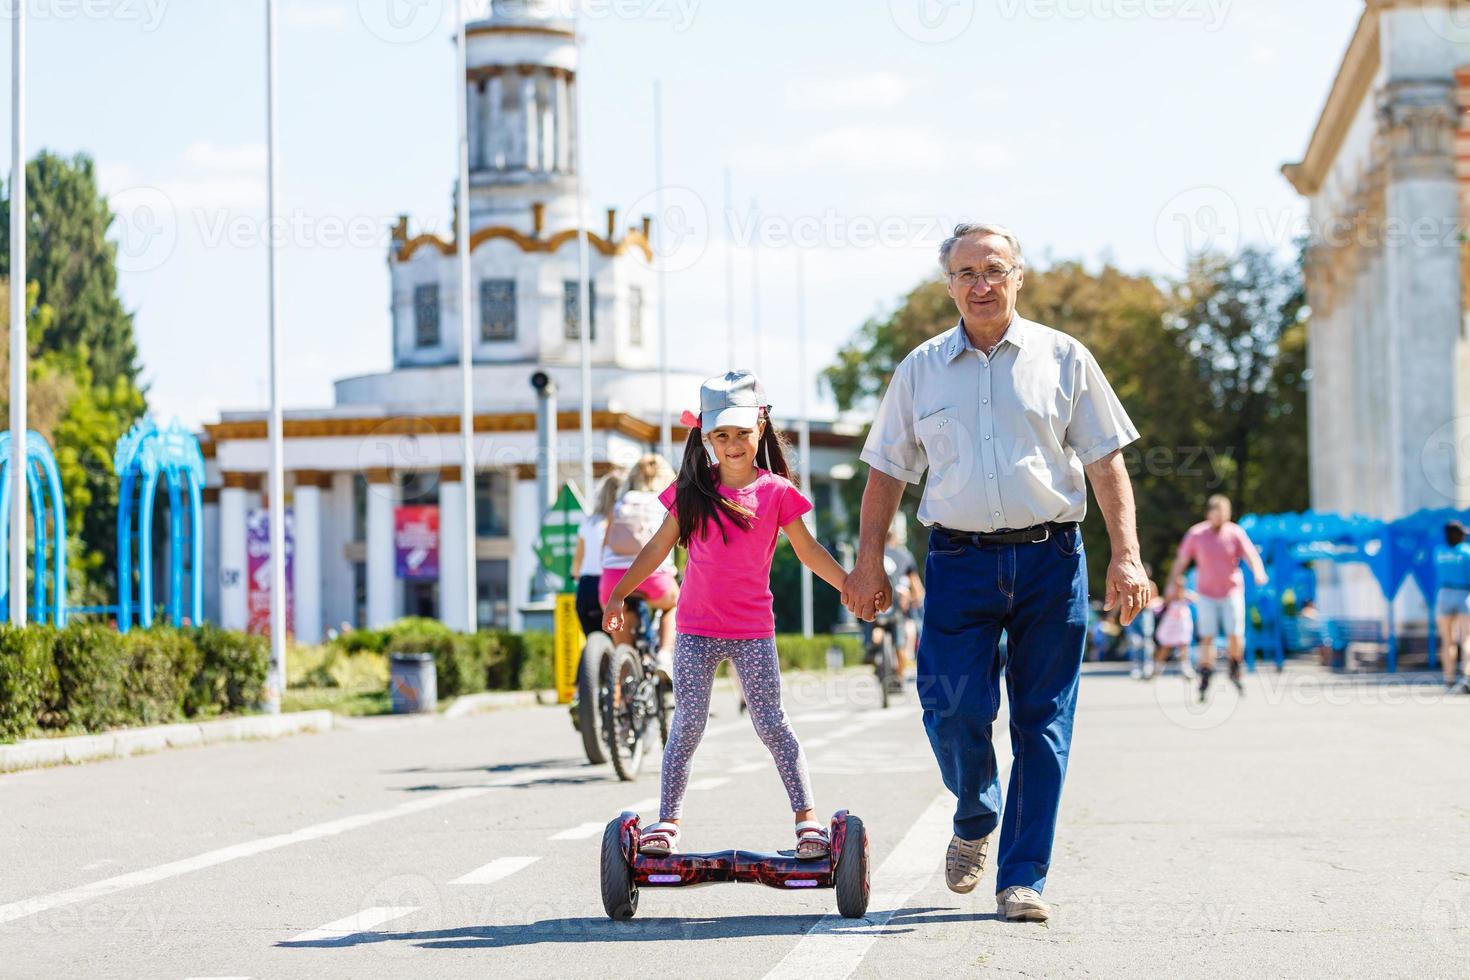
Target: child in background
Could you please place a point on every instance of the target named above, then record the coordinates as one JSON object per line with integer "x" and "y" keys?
{"x": 1175, "y": 630}
{"x": 728, "y": 511}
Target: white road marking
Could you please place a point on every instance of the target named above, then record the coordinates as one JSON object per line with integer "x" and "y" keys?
{"x": 828, "y": 949}
{"x": 355, "y": 924}
{"x": 495, "y": 870}
{"x": 591, "y": 829}
{"x": 745, "y": 767}
{"x": 210, "y": 859}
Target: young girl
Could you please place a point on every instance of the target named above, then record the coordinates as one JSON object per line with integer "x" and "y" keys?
{"x": 727, "y": 511}
{"x": 1175, "y": 630}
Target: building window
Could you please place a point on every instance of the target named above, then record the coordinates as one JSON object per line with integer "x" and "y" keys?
{"x": 418, "y": 488}
{"x": 635, "y": 316}
{"x": 359, "y": 507}
{"x": 359, "y": 594}
{"x": 572, "y": 309}
{"x": 492, "y": 504}
{"x": 426, "y": 315}
{"x": 498, "y": 309}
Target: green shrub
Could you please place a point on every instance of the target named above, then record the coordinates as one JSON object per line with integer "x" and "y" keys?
{"x": 28, "y": 683}
{"x": 93, "y": 666}
{"x": 537, "y": 666}
{"x": 233, "y": 670}
{"x": 164, "y": 662}
{"x": 799, "y": 653}
{"x": 459, "y": 664}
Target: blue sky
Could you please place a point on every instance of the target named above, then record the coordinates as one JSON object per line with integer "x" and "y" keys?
{"x": 1096, "y": 128}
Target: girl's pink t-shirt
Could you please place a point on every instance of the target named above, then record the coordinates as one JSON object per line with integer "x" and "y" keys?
{"x": 727, "y": 586}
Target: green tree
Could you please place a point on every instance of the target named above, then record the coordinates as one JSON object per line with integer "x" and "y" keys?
{"x": 83, "y": 373}
{"x": 70, "y": 258}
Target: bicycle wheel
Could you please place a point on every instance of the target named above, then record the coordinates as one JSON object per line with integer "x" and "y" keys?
{"x": 628, "y": 725}
{"x": 592, "y": 681}
{"x": 888, "y": 657}
{"x": 665, "y": 695}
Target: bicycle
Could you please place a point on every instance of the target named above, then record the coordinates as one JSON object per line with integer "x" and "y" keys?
{"x": 882, "y": 653}
{"x": 635, "y": 694}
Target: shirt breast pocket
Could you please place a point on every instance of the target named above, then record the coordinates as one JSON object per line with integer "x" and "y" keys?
{"x": 944, "y": 442}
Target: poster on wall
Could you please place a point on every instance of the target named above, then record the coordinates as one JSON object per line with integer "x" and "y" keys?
{"x": 416, "y": 541}
{"x": 258, "y": 575}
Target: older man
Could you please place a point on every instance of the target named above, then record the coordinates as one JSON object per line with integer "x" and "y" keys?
{"x": 1006, "y": 415}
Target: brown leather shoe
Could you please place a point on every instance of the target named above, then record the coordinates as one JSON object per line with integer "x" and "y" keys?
{"x": 964, "y": 861}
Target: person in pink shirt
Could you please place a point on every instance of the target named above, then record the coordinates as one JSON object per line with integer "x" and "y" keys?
{"x": 728, "y": 511}
{"x": 1216, "y": 546}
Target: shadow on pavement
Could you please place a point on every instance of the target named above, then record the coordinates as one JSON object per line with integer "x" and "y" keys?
{"x": 598, "y": 929}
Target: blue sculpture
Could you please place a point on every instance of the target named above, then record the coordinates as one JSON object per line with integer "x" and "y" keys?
{"x": 42, "y": 481}
{"x": 142, "y": 456}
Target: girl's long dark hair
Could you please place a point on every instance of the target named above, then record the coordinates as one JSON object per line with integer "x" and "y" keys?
{"x": 697, "y": 497}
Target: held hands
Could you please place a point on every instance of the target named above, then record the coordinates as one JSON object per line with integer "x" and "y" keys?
{"x": 1128, "y": 586}
{"x": 612, "y": 616}
{"x": 867, "y": 591}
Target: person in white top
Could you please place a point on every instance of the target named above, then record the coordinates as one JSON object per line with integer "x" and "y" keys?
{"x": 587, "y": 561}
{"x": 635, "y": 519}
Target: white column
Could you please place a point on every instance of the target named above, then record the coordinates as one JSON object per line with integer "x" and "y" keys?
{"x": 381, "y": 581}
{"x": 561, "y": 114}
{"x": 307, "y": 564}
{"x": 546, "y": 121}
{"x": 337, "y": 580}
{"x": 492, "y": 145}
{"x": 525, "y": 524}
{"x": 453, "y": 592}
{"x": 232, "y": 564}
{"x": 530, "y": 121}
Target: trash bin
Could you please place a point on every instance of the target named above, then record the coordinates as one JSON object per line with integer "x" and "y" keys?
{"x": 413, "y": 683}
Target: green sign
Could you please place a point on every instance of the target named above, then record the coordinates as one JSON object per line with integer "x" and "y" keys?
{"x": 558, "y": 540}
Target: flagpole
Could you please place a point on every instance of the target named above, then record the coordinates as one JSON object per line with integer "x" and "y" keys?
{"x": 466, "y": 349}
{"x": 730, "y": 364}
{"x": 755, "y": 289}
{"x": 276, "y": 689}
{"x": 805, "y": 435}
{"x": 19, "y": 354}
{"x": 584, "y": 291}
{"x": 666, "y": 438}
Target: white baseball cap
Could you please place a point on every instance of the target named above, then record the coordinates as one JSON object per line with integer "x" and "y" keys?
{"x": 735, "y": 398}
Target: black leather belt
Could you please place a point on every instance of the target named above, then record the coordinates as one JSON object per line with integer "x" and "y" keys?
{"x": 1035, "y": 534}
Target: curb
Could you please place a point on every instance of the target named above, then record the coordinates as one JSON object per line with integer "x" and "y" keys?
{"x": 473, "y": 704}
{"x": 42, "y": 752}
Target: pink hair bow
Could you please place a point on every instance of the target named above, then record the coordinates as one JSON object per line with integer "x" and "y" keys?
{"x": 689, "y": 420}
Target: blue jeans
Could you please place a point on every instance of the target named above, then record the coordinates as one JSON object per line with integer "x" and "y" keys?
{"x": 1037, "y": 594}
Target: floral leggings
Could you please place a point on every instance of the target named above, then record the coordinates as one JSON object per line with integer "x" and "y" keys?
{"x": 695, "y": 660}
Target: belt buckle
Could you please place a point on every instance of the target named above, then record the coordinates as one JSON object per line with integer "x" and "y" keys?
{"x": 1045, "y": 534}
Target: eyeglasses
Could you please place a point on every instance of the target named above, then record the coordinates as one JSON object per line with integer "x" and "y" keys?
{"x": 992, "y": 277}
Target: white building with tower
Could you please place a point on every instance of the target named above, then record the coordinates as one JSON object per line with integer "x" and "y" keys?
{"x": 359, "y": 472}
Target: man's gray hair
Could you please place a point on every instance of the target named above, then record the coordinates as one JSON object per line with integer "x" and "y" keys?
{"x": 965, "y": 230}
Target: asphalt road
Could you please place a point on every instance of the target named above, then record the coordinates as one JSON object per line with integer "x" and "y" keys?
{"x": 1317, "y": 827}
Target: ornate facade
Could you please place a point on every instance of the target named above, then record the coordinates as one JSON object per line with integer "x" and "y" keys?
{"x": 1385, "y": 182}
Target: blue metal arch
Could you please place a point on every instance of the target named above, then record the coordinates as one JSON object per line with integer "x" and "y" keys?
{"x": 144, "y": 456}
{"x": 43, "y": 484}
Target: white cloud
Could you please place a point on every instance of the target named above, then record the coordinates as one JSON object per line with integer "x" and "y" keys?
{"x": 906, "y": 149}
{"x": 881, "y": 90}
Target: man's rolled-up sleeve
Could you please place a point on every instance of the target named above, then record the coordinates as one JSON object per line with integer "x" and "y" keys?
{"x": 892, "y": 445}
{"x": 1099, "y": 424}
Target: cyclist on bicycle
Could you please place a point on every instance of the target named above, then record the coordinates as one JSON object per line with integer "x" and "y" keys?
{"x": 908, "y": 596}
{"x": 587, "y": 561}
{"x": 635, "y": 519}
